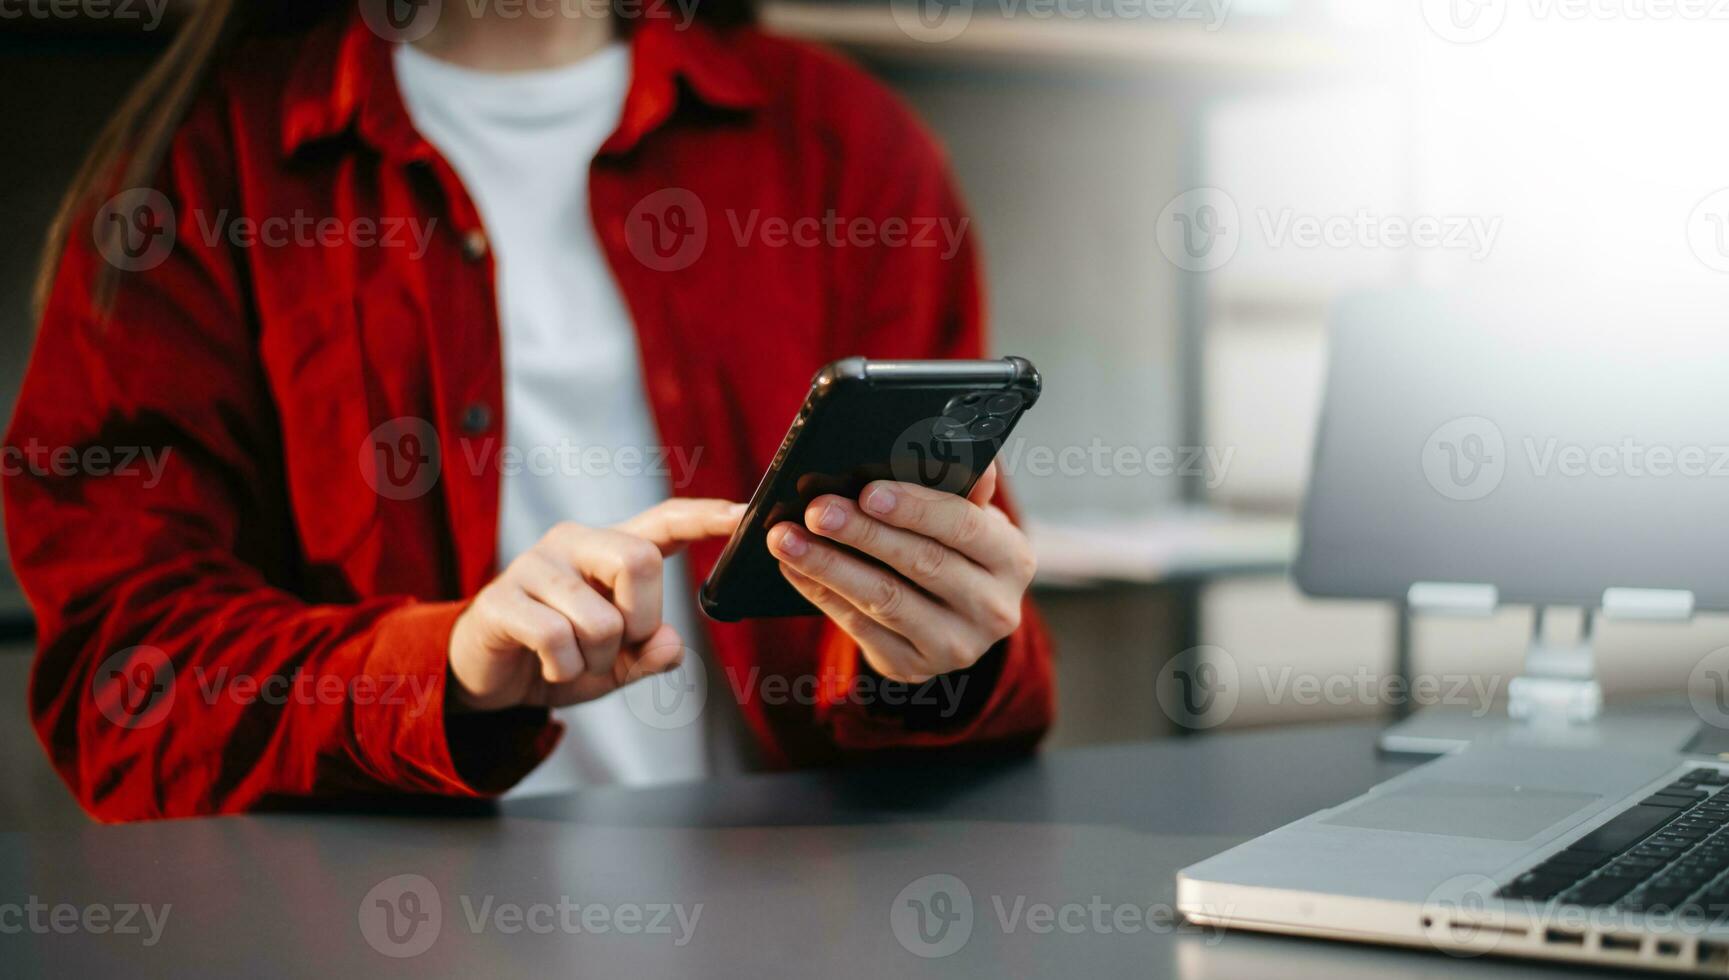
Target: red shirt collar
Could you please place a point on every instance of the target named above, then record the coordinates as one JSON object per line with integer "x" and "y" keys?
{"x": 345, "y": 77}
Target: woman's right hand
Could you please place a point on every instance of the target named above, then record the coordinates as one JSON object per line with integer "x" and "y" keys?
{"x": 578, "y": 615}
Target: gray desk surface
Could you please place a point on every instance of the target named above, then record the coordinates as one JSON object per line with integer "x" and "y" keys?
{"x": 776, "y": 875}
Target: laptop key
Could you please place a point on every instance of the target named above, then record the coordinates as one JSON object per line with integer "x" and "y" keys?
{"x": 1600, "y": 891}
{"x": 1536, "y": 887}
{"x": 1663, "y": 897}
{"x": 1626, "y": 829}
{"x": 1637, "y": 862}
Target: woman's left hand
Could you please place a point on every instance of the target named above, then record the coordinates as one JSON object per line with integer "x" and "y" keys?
{"x": 956, "y": 571}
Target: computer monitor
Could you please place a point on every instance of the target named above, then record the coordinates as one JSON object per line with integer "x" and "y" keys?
{"x": 1550, "y": 448}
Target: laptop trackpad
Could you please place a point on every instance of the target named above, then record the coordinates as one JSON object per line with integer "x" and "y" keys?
{"x": 1509, "y": 813}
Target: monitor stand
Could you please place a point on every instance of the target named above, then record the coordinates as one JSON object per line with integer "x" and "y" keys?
{"x": 1556, "y": 703}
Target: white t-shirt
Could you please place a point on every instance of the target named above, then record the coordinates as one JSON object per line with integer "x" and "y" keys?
{"x": 577, "y": 421}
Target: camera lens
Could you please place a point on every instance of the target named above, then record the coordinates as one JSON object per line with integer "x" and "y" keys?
{"x": 949, "y": 429}
{"x": 963, "y": 413}
{"x": 1004, "y": 404}
{"x": 988, "y": 428}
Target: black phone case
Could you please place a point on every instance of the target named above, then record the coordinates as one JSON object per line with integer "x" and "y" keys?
{"x": 936, "y": 423}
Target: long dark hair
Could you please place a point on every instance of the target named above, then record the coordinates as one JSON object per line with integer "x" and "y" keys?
{"x": 131, "y": 147}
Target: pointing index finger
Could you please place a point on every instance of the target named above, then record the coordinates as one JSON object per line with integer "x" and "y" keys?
{"x": 677, "y": 522}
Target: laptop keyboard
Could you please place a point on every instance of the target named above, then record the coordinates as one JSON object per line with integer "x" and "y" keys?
{"x": 1666, "y": 853}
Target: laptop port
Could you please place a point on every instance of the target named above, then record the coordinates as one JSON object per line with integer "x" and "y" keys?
{"x": 1561, "y": 937}
{"x": 1621, "y": 944}
{"x": 1668, "y": 947}
{"x": 1713, "y": 955}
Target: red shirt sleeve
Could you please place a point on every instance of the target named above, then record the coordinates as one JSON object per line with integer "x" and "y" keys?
{"x": 179, "y": 669}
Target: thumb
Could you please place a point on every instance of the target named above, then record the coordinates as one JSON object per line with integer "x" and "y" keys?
{"x": 674, "y": 523}
{"x": 986, "y": 488}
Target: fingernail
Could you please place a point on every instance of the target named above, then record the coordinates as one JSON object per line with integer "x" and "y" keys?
{"x": 736, "y": 510}
{"x": 831, "y": 517}
{"x": 879, "y": 500}
{"x": 787, "y": 541}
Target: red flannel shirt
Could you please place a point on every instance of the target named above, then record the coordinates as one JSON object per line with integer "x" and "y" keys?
{"x": 260, "y": 617}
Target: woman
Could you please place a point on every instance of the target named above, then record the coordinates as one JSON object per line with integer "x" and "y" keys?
{"x": 445, "y": 335}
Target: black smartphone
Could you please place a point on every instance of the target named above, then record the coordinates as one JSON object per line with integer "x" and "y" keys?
{"x": 935, "y": 423}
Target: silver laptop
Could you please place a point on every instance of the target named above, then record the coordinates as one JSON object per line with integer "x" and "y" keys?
{"x": 1598, "y": 857}
{"x": 1437, "y": 464}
